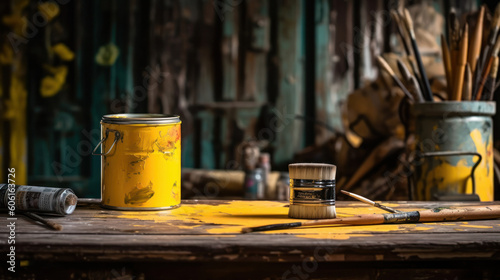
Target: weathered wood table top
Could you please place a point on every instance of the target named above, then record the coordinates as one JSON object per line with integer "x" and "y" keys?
{"x": 209, "y": 231}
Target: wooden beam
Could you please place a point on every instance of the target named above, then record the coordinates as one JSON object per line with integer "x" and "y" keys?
{"x": 290, "y": 101}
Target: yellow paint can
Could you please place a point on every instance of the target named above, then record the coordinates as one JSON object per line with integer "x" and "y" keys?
{"x": 453, "y": 151}
{"x": 140, "y": 161}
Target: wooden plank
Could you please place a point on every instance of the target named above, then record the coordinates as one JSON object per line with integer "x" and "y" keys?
{"x": 307, "y": 269}
{"x": 203, "y": 92}
{"x": 373, "y": 20}
{"x": 202, "y": 231}
{"x": 207, "y": 139}
{"x": 256, "y": 46}
{"x": 342, "y": 49}
{"x": 255, "y": 42}
{"x": 99, "y": 89}
{"x": 13, "y": 95}
{"x": 284, "y": 270}
{"x": 290, "y": 102}
{"x": 230, "y": 55}
{"x": 386, "y": 247}
{"x": 325, "y": 106}
{"x": 232, "y": 82}
{"x": 124, "y": 16}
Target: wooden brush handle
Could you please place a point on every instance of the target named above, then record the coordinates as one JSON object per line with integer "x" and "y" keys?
{"x": 433, "y": 215}
{"x": 367, "y": 219}
{"x": 483, "y": 78}
{"x": 468, "y": 213}
{"x": 459, "y": 83}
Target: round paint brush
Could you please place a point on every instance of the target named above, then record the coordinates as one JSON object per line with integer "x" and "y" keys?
{"x": 312, "y": 191}
{"x": 370, "y": 202}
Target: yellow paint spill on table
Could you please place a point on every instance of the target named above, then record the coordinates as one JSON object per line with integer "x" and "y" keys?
{"x": 229, "y": 217}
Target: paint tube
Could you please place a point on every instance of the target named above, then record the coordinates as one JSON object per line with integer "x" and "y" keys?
{"x": 53, "y": 201}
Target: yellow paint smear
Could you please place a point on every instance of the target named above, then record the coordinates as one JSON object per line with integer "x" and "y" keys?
{"x": 230, "y": 217}
{"x": 336, "y": 236}
{"x": 473, "y": 226}
{"x": 440, "y": 224}
{"x": 422, "y": 228}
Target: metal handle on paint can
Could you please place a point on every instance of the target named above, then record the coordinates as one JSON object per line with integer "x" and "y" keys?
{"x": 453, "y": 153}
{"x": 117, "y": 136}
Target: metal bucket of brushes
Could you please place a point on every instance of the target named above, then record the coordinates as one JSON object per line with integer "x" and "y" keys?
{"x": 312, "y": 191}
{"x": 454, "y": 151}
{"x": 140, "y": 161}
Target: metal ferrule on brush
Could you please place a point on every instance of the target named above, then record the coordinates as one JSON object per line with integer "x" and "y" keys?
{"x": 312, "y": 192}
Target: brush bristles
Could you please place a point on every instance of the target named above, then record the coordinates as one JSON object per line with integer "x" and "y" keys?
{"x": 311, "y": 212}
{"x": 312, "y": 171}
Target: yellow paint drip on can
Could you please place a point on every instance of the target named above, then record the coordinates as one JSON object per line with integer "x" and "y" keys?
{"x": 140, "y": 161}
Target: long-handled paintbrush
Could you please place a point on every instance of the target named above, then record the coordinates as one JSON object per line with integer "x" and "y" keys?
{"x": 398, "y": 19}
{"x": 411, "y": 82}
{"x": 384, "y": 65}
{"x": 370, "y": 202}
{"x": 458, "y": 76}
{"x": 454, "y": 36}
{"x": 484, "y": 60}
{"x": 426, "y": 91}
{"x": 432, "y": 215}
{"x": 476, "y": 40}
{"x": 447, "y": 65}
{"x": 401, "y": 32}
{"x": 495, "y": 26}
{"x": 467, "y": 88}
{"x": 487, "y": 69}
{"x": 489, "y": 86}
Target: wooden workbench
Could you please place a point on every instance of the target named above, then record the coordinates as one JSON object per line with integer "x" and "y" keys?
{"x": 202, "y": 238}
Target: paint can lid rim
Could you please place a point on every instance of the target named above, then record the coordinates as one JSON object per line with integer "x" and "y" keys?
{"x": 461, "y": 108}
{"x": 140, "y": 119}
